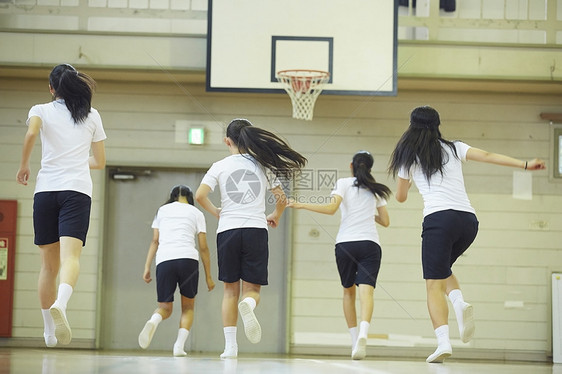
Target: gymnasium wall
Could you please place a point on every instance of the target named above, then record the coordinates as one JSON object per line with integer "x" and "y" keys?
{"x": 505, "y": 275}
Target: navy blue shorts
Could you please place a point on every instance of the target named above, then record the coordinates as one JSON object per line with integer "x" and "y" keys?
{"x": 446, "y": 235}
{"x": 60, "y": 213}
{"x": 358, "y": 262}
{"x": 243, "y": 254}
{"x": 182, "y": 272}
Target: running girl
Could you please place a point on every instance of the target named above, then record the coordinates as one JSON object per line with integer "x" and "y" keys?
{"x": 450, "y": 224}
{"x": 176, "y": 227}
{"x": 69, "y": 128}
{"x": 242, "y": 240}
{"x": 358, "y": 252}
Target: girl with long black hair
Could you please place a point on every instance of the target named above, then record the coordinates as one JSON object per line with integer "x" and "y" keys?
{"x": 450, "y": 224}
{"x": 69, "y": 129}
{"x": 178, "y": 225}
{"x": 242, "y": 240}
{"x": 358, "y": 253}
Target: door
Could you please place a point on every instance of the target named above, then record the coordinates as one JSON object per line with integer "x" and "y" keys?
{"x": 132, "y": 199}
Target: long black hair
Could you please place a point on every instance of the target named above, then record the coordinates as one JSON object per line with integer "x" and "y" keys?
{"x": 75, "y": 88}
{"x": 421, "y": 144}
{"x": 361, "y": 165}
{"x": 267, "y": 148}
{"x": 180, "y": 190}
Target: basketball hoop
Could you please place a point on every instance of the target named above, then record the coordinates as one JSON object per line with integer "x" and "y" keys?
{"x": 303, "y": 87}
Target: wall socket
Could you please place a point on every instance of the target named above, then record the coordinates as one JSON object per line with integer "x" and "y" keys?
{"x": 540, "y": 225}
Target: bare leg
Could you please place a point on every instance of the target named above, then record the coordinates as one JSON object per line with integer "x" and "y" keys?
{"x": 366, "y": 297}
{"x": 165, "y": 309}
{"x": 349, "y": 307}
{"x": 251, "y": 290}
{"x": 230, "y": 303}
{"x": 47, "y": 288}
{"x": 187, "y": 306}
{"x": 452, "y": 284}
{"x": 70, "y": 250}
{"x": 47, "y": 284}
{"x": 436, "y": 302}
{"x": 439, "y": 313}
{"x": 367, "y": 304}
{"x": 186, "y": 322}
{"x": 231, "y": 294}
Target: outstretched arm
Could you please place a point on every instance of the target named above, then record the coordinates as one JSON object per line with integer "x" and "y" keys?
{"x": 280, "y": 204}
{"x": 202, "y": 197}
{"x": 33, "y": 129}
{"x": 475, "y": 154}
{"x": 328, "y": 208}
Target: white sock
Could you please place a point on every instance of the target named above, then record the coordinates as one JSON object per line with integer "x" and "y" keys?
{"x": 354, "y": 332}
{"x": 179, "y": 345}
{"x": 156, "y": 318}
{"x": 48, "y": 322}
{"x": 442, "y": 334}
{"x": 182, "y": 337}
{"x": 364, "y": 329}
{"x": 458, "y": 303}
{"x": 455, "y": 295}
{"x": 63, "y": 295}
{"x": 230, "y": 336}
{"x": 251, "y": 302}
{"x": 49, "y": 328}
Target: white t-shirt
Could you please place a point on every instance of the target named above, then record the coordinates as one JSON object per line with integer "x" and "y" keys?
{"x": 65, "y": 147}
{"x": 445, "y": 191}
{"x": 358, "y": 210}
{"x": 178, "y": 225}
{"x": 243, "y": 185}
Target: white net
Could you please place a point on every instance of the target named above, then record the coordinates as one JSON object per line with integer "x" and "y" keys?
{"x": 303, "y": 87}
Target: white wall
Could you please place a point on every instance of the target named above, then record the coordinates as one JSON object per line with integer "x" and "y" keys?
{"x": 511, "y": 259}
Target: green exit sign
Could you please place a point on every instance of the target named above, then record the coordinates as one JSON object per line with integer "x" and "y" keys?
{"x": 196, "y": 135}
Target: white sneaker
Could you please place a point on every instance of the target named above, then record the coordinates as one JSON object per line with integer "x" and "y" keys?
{"x": 63, "y": 333}
{"x": 360, "y": 350}
{"x": 252, "y": 327}
{"x": 50, "y": 340}
{"x": 230, "y": 352}
{"x": 467, "y": 332}
{"x": 145, "y": 336}
{"x": 440, "y": 354}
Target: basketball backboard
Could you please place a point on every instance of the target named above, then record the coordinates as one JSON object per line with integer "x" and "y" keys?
{"x": 249, "y": 41}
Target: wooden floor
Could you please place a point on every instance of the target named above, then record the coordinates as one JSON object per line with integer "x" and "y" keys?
{"x": 62, "y": 361}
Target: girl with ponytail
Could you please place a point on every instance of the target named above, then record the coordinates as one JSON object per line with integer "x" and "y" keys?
{"x": 242, "y": 241}
{"x": 450, "y": 224}
{"x": 70, "y": 129}
{"x": 178, "y": 225}
{"x": 358, "y": 253}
